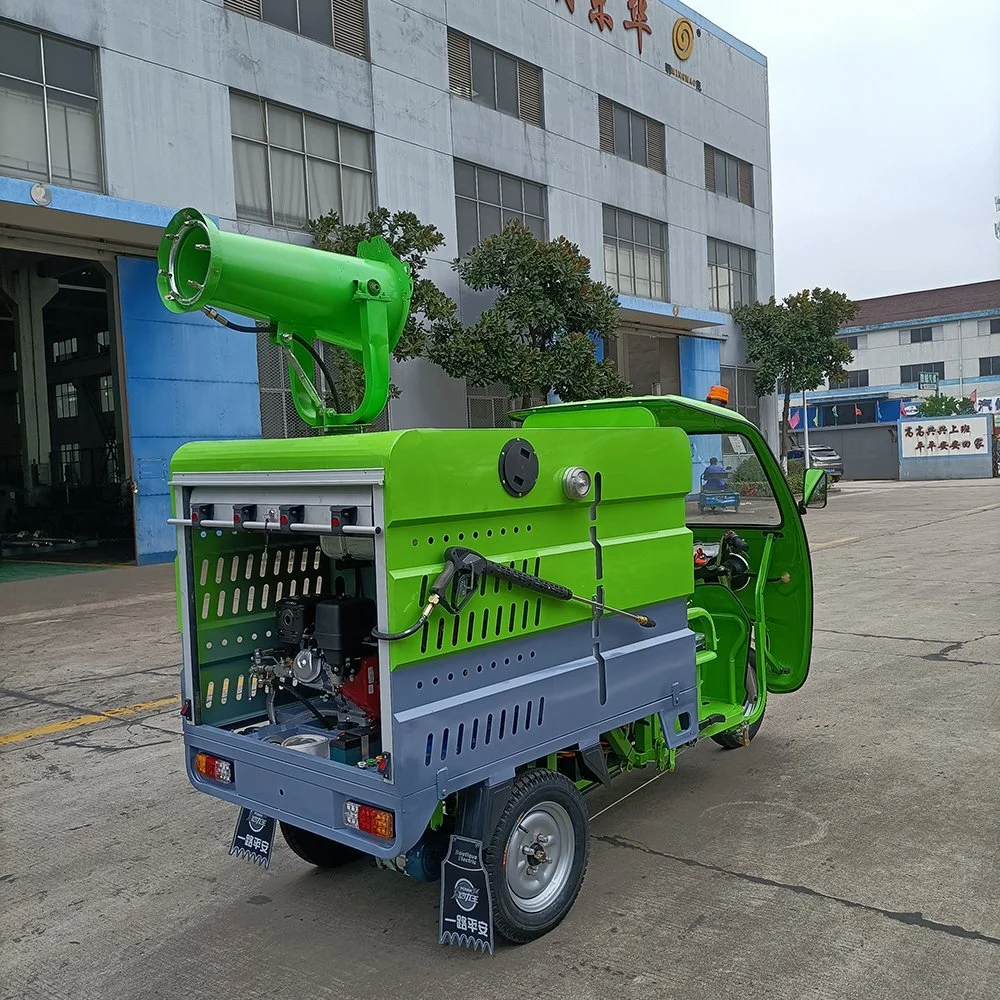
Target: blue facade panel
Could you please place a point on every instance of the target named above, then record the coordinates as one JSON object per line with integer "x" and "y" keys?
{"x": 699, "y": 362}
{"x": 187, "y": 378}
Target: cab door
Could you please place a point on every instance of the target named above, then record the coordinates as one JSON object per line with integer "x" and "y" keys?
{"x": 779, "y": 598}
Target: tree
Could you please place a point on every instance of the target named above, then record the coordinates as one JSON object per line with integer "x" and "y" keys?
{"x": 945, "y": 406}
{"x": 540, "y": 332}
{"x": 411, "y": 241}
{"x": 795, "y": 343}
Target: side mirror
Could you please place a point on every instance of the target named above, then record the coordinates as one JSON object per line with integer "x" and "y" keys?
{"x": 814, "y": 489}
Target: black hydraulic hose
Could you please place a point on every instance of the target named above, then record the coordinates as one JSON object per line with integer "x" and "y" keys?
{"x": 330, "y": 384}
{"x": 239, "y": 328}
{"x": 219, "y": 318}
{"x": 324, "y": 721}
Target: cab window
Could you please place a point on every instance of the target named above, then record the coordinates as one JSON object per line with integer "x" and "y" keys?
{"x": 729, "y": 486}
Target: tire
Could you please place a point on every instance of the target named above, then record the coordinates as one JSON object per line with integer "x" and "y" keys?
{"x": 732, "y": 740}
{"x": 318, "y": 851}
{"x": 542, "y": 802}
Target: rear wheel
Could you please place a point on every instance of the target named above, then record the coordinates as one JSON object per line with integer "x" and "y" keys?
{"x": 537, "y": 856}
{"x": 317, "y": 850}
{"x": 733, "y": 740}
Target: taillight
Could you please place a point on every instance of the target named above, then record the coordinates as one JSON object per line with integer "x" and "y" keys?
{"x": 368, "y": 819}
{"x": 213, "y": 768}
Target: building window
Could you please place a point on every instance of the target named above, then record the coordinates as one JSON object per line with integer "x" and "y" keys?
{"x": 732, "y": 275}
{"x": 49, "y": 124}
{"x": 635, "y": 254}
{"x": 66, "y": 405}
{"x": 486, "y": 200}
{"x": 342, "y": 23}
{"x": 911, "y": 373}
{"x": 69, "y": 462}
{"x": 918, "y": 335}
{"x": 494, "y": 79}
{"x": 107, "y": 394}
{"x": 62, "y": 350}
{"x": 988, "y": 326}
{"x": 854, "y": 380}
{"x": 728, "y": 176}
{"x": 631, "y": 135}
{"x": 291, "y": 167}
{"x": 856, "y": 341}
{"x": 742, "y": 398}
{"x": 103, "y": 340}
{"x": 989, "y": 366}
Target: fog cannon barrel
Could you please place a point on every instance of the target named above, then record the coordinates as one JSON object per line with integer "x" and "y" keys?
{"x": 307, "y": 290}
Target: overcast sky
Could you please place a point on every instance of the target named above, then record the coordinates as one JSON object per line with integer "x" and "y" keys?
{"x": 885, "y": 139}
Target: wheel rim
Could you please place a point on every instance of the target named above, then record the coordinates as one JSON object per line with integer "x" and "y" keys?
{"x": 539, "y": 856}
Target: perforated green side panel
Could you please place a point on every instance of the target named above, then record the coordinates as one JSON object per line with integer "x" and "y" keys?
{"x": 442, "y": 488}
{"x": 236, "y": 586}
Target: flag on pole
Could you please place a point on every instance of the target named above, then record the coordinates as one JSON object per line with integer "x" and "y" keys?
{"x": 836, "y": 416}
{"x": 902, "y": 408}
{"x": 857, "y": 410}
{"x": 793, "y": 420}
{"x": 815, "y": 418}
{"x": 973, "y": 396}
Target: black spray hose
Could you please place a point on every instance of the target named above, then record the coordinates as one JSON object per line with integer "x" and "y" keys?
{"x": 239, "y": 328}
{"x": 413, "y": 629}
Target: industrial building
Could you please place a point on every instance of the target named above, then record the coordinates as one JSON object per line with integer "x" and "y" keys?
{"x": 906, "y": 347}
{"x": 637, "y": 129}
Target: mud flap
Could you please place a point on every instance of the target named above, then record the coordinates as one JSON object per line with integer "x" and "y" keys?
{"x": 253, "y": 837}
{"x": 466, "y": 913}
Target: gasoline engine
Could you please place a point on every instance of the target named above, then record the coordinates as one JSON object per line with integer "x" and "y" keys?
{"x": 324, "y": 644}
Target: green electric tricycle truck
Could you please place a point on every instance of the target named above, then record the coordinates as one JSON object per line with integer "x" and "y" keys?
{"x": 427, "y": 646}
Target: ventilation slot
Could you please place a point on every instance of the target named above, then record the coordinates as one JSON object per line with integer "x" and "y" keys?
{"x": 655, "y": 146}
{"x": 350, "y": 32}
{"x": 606, "y": 123}
{"x": 709, "y": 168}
{"x": 745, "y": 183}
{"x": 529, "y": 93}
{"x": 459, "y": 65}
{"x": 249, "y": 8}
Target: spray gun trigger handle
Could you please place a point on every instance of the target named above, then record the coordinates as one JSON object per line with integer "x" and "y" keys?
{"x": 462, "y": 570}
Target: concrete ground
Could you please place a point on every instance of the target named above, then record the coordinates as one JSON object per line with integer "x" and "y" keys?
{"x": 850, "y": 852}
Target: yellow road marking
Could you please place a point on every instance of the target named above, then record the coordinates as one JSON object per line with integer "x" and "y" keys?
{"x": 85, "y": 720}
{"x": 836, "y": 541}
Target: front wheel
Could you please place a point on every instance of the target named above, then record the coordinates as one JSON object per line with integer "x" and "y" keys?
{"x": 317, "y": 850}
{"x": 537, "y": 856}
{"x": 732, "y": 740}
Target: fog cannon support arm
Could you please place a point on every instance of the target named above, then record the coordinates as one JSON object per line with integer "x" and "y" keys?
{"x": 357, "y": 303}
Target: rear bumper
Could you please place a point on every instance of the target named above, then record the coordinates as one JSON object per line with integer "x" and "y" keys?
{"x": 307, "y": 792}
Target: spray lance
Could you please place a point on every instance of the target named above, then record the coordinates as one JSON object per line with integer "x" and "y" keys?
{"x": 458, "y": 581}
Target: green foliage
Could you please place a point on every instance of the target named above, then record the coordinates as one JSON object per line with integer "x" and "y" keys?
{"x": 412, "y": 241}
{"x": 945, "y": 406}
{"x": 748, "y": 478}
{"x": 534, "y": 338}
{"x": 795, "y": 342}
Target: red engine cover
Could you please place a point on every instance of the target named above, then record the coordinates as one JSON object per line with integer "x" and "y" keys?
{"x": 363, "y": 690}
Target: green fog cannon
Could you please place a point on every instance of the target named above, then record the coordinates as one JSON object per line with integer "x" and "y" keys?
{"x": 358, "y": 303}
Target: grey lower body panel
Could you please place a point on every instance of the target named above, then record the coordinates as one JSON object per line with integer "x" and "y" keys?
{"x": 474, "y": 717}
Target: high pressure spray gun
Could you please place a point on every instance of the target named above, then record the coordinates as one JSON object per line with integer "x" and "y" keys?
{"x": 459, "y": 579}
